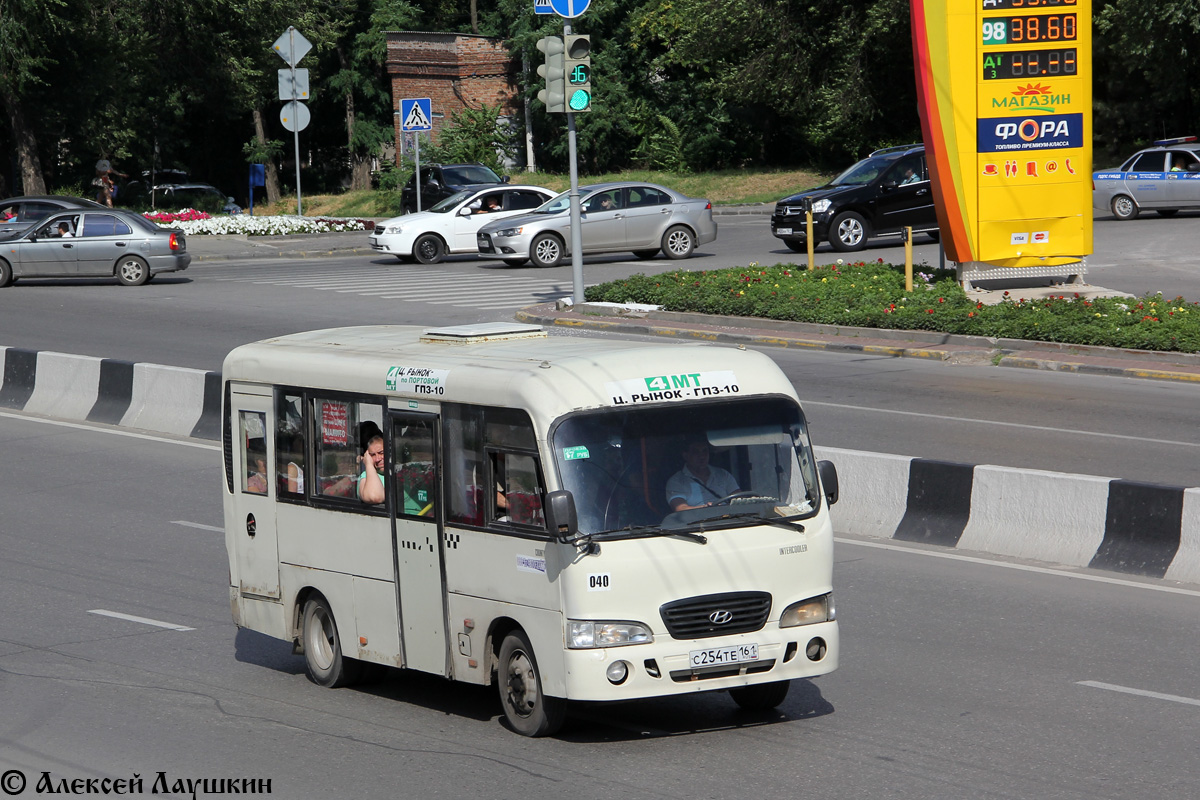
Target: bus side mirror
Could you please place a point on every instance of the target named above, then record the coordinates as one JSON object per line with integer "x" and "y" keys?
{"x": 829, "y": 480}
{"x": 560, "y": 515}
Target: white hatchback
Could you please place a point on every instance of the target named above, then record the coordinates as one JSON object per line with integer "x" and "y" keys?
{"x": 451, "y": 226}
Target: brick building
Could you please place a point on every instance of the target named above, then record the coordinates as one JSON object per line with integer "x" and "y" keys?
{"x": 454, "y": 70}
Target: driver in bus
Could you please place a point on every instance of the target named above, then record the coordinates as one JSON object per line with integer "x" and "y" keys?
{"x": 698, "y": 484}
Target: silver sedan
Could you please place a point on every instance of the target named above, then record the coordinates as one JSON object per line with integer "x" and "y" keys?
{"x": 86, "y": 242}
{"x": 642, "y": 217}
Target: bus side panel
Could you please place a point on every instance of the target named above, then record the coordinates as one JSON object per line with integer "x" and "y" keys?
{"x": 544, "y": 628}
{"x": 335, "y": 587}
{"x": 378, "y": 638}
{"x": 265, "y": 616}
{"x": 500, "y": 567}
{"x": 355, "y": 544}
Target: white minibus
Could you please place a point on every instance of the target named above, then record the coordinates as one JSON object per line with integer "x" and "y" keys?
{"x": 566, "y": 518}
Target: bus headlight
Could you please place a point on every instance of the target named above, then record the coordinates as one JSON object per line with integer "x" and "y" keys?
{"x": 808, "y": 612}
{"x": 586, "y": 634}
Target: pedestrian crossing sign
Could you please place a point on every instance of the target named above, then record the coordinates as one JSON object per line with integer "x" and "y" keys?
{"x": 543, "y": 7}
{"x": 416, "y": 114}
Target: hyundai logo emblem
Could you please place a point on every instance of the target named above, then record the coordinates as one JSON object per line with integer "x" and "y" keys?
{"x": 720, "y": 616}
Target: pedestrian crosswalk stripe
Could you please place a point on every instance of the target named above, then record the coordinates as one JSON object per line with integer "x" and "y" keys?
{"x": 497, "y": 290}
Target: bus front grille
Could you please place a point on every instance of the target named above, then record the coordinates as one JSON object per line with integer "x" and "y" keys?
{"x": 716, "y": 614}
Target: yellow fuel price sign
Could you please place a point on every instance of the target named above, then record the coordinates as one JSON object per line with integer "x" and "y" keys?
{"x": 1009, "y": 148}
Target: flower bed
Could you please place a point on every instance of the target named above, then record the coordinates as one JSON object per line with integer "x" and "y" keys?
{"x": 873, "y": 296}
{"x": 198, "y": 223}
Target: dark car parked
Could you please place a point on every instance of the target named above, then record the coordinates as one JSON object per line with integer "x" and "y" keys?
{"x": 877, "y": 197}
{"x": 439, "y": 181}
{"x": 18, "y": 213}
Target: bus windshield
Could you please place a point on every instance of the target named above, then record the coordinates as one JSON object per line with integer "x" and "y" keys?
{"x": 693, "y": 465}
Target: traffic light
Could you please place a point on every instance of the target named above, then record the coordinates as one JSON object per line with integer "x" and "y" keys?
{"x": 578, "y": 69}
{"x": 554, "y": 96}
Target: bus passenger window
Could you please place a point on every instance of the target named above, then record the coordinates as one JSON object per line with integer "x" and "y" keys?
{"x": 290, "y": 451}
{"x": 462, "y": 463}
{"x": 336, "y": 447}
{"x": 522, "y": 490}
{"x": 252, "y": 426}
{"x": 416, "y": 488}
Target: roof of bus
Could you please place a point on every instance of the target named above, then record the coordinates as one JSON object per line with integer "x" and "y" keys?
{"x": 502, "y": 364}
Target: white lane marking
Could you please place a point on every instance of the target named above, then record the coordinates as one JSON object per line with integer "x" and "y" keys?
{"x": 145, "y": 621}
{"x": 976, "y": 421}
{"x": 1112, "y": 687}
{"x": 185, "y": 523}
{"x": 1061, "y": 573}
{"x": 98, "y": 429}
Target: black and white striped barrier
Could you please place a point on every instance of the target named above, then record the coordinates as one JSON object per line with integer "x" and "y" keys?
{"x": 1075, "y": 520}
{"x": 175, "y": 400}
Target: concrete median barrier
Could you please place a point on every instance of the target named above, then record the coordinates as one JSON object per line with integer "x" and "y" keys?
{"x": 1075, "y": 520}
{"x": 152, "y": 397}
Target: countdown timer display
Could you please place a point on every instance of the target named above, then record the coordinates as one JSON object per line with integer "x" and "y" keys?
{"x": 1030, "y": 29}
{"x": 1001, "y": 65}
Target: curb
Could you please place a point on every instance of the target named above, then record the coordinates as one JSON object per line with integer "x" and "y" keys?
{"x": 1075, "y": 520}
{"x": 949, "y": 348}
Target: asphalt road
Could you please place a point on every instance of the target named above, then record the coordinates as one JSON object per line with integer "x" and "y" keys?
{"x": 1114, "y": 427}
{"x": 959, "y": 678}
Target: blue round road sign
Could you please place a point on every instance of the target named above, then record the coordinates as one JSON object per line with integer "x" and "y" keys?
{"x": 569, "y": 8}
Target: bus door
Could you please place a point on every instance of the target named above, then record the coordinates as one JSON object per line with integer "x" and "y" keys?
{"x": 254, "y": 532}
{"x": 417, "y": 521}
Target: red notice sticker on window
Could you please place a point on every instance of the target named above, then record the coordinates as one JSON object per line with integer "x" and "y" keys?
{"x": 333, "y": 422}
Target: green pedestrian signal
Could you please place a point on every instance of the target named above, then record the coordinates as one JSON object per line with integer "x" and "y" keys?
{"x": 578, "y": 73}
{"x": 554, "y": 96}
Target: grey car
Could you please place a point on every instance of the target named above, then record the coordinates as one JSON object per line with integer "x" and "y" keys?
{"x": 642, "y": 217}
{"x": 87, "y": 242}
{"x": 1165, "y": 178}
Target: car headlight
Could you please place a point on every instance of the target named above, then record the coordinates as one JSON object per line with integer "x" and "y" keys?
{"x": 393, "y": 229}
{"x": 508, "y": 232}
{"x": 820, "y": 206}
{"x": 809, "y": 612}
{"x": 586, "y": 634}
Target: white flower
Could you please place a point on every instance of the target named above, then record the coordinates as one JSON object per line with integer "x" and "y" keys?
{"x": 263, "y": 226}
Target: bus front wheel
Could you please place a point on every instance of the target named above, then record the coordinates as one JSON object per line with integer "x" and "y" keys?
{"x": 323, "y": 659}
{"x": 528, "y": 710}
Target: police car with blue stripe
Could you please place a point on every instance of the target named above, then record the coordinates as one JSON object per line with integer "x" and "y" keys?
{"x": 1165, "y": 178}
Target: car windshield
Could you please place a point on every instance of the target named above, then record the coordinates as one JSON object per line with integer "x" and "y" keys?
{"x": 863, "y": 172}
{"x": 622, "y": 464}
{"x": 450, "y": 203}
{"x": 469, "y": 174}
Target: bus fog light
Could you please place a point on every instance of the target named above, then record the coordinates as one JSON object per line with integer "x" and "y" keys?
{"x": 587, "y": 634}
{"x": 808, "y": 612}
{"x": 617, "y": 672}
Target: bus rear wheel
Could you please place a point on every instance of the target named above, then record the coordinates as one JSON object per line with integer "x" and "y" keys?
{"x": 528, "y": 710}
{"x": 323, "y": 658}
{"x": 761, "y": 697}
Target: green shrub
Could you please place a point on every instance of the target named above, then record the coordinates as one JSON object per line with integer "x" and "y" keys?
{"x": 872, "y": 295}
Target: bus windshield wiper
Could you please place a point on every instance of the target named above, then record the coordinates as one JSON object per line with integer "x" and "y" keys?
{"x": 646, "y": 531}
{"x": 751, "y": 518}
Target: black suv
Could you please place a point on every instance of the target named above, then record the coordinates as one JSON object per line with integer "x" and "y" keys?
{"x": 879, "y": 196}
{"x": 439, "y": 181}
